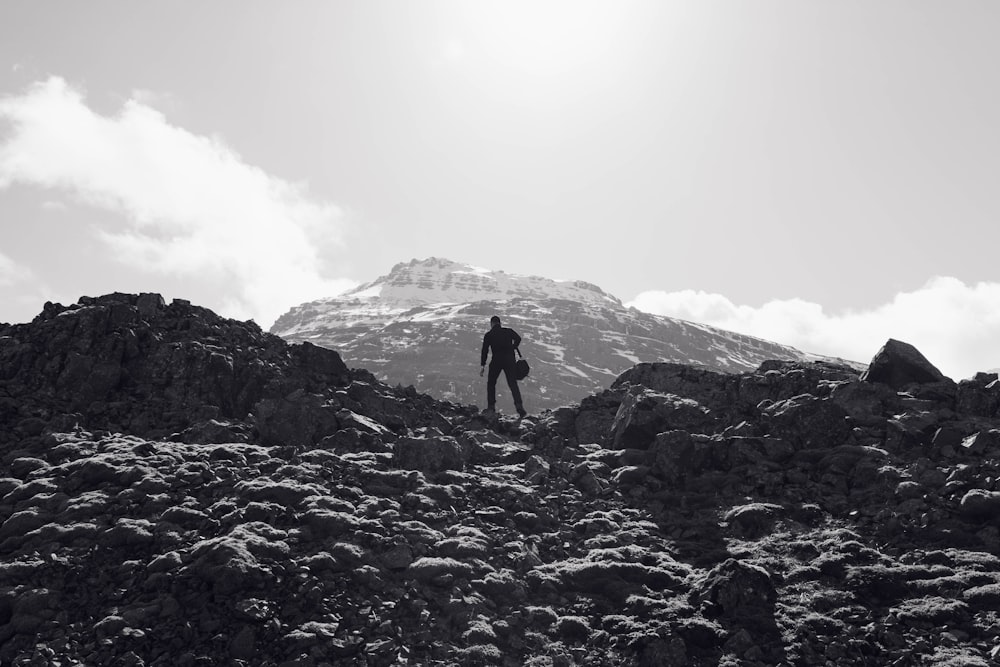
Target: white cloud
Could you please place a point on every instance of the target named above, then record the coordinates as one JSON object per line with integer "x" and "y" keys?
{"x": 194, "y": 207}
{"x": 12, "y": 273}
{"x": 956, "y": 326}
{"x": 54, "y": 205}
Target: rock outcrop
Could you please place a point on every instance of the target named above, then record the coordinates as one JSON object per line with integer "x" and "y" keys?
{"x": 898, "y": 364}
{"x": 180, "y": 489}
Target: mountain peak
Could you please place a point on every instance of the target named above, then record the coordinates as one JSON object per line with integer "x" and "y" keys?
{"x": 439, "y": 280}
{"x": 423, "y": 324}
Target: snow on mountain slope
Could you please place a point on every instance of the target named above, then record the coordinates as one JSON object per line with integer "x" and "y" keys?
{"x": 423, "y": 323}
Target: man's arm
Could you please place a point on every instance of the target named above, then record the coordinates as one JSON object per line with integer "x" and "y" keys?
{"x": 486, "y": 349}
{"x": 515, "y": 338}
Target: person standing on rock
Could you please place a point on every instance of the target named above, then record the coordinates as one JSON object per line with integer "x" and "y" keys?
{"x": 503, "y": 342}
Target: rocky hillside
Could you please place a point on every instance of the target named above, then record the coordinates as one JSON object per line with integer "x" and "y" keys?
{"x": 423, "y": 324}
{"x": 180, "y": 489}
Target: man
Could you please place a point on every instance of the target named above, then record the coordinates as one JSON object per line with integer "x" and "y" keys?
{"x": 503, "y": 342}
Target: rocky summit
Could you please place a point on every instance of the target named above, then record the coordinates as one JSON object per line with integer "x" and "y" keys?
{"x": 423, "y": 324}
{"x": 181, "y": 489}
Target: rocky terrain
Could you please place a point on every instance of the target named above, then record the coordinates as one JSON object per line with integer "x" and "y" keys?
{"x": 181, "y": 489}
{"x": 422, "y": 324}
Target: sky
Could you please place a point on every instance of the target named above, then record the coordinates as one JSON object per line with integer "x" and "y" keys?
{"x": 821, "y": 174}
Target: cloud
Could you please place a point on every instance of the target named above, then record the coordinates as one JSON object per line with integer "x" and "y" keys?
{"x": 954, "y": 325}
{"x": 53, "y": 205}
{"x": 12, "y": 273}
{"x": 194, "y": 207}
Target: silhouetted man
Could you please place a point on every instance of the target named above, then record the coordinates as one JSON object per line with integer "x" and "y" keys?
{"x": 503, "y": 342}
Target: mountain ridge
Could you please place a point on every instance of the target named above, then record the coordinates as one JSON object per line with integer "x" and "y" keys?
{"x": 422, "y": 324}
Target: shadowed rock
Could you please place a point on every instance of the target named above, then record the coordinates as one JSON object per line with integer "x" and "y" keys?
{"x": 181, "y": 489}
{"x": 899, "y": 364}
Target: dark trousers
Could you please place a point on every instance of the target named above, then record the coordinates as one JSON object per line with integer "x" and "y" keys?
{"x": 507, "y": 366}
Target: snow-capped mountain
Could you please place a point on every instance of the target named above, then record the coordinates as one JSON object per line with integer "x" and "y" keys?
{"x": 423, "y": 324}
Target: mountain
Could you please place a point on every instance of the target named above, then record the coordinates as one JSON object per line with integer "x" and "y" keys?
{"x": 423, "y": 323}
{"x": 182, "y": 489}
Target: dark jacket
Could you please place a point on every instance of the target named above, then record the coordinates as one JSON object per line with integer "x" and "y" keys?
{"x": 503, "y": 342}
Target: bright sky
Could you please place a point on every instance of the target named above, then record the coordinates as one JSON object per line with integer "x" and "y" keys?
{"x": 823, "y": 174}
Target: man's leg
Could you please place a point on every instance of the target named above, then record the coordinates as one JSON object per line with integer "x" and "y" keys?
{"x": 510, "y": 372}
{"x": 491, "y": 386}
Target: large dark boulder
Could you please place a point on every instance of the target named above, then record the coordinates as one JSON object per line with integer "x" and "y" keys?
{"x": 644, "y": 414}
{"x": 710, "y": 388}
{"x": 736, "y": 590}
{"x": 899, "y": 364}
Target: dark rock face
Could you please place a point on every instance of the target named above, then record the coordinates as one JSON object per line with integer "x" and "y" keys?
{"x": 132, "y": 363}
{"x": 180, "y": 489}
{"x": 898, "y": 364}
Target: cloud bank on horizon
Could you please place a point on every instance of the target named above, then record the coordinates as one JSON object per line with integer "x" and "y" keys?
{"x": 954, "y": 325}
{"x": 193, "y": 206}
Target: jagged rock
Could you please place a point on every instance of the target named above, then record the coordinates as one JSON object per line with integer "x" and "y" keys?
{"x": 979, "y": 442}
{"x": 946, "y": 437}
{"x": 807, "y": 422}
{"x": 584, "y": 476}
{"x": 214, "y": 431}
{"x": 979, "y": 396}
{"x": 738, "y": 591}
{"x": 865, "y": 402}
{"x": 348, "y": 419}
{"x": 753, "y": 520}
{"x": 979, "y": 504}
{"x": 815, "y": 519}
{"x": 297, "y": 420}
{"x": 630, "y": 475}
{"x": 93, "y": 358}
{"x": 536, "y": 470}
{"x": 596, "y": 416}
{"x": 643, "y": 414}
{"x": 899, "y": 364}
{"x": 444, "y": 571}
{"x": 705, "y": 386}
{"x": 679, "y": 457}
{"x": 430, "y": 455}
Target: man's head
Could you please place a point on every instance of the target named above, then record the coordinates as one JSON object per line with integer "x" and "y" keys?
{"x": 495, "y": 321}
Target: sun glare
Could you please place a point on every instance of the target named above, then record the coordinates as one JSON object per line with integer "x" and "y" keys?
{"x": 546, "y": 38}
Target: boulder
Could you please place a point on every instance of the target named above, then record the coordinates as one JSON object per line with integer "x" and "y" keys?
{"x": 644, "y": 413}
{"x": 899, "y": 364}
{"x": 597, "y": 415}
{"x": 753, "y": 520}
{"x": 980, "y": 504}
{"x": 700, "y": 383}
{"x": 737, "y": 591}
{"x": 536, "y": 470}
{"x": 429, "y": 455}
{"x": 979, "y": 397}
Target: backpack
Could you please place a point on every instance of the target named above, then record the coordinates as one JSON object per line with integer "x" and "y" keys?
{"x": 521, "y": 367}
